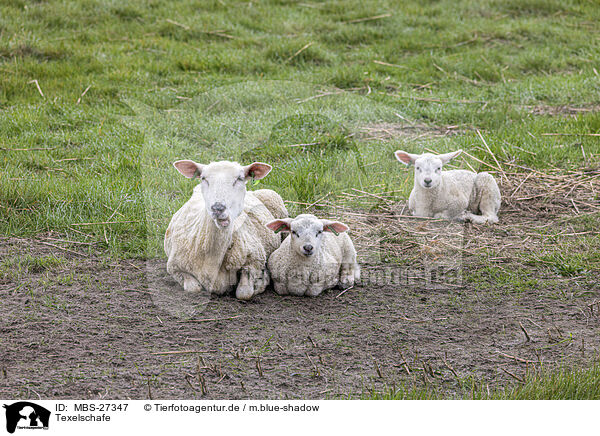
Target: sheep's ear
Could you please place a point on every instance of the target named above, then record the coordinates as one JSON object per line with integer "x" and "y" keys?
{"x": 280, "y": 225}
{"x": 445, "y": 158}
{"x": 257, "y": 170}
{"x": 189, "y": 168}
{"x": 334, "y": 226}
{"x": 406, "y": 158}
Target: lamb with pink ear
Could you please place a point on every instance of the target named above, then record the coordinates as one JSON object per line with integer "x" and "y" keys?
{"x": 317, "y": 255}
{"x": 458, "y": 195}
{"x": 218, "y": 241}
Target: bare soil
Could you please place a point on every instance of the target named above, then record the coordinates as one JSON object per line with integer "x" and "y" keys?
{"x": 93, "y": 328}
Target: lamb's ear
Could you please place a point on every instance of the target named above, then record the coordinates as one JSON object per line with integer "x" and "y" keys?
{"x": 189, "y": 168}
{"x": 282, "y": 225}
{"x": 445, "y": 158}
{"x": 257, "y": 170}
{"x": 406, "y": 158}
{"x": 334, "y": 226}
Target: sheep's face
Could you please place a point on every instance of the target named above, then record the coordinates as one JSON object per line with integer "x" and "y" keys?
{"x": 428, "y": 167}
{"x": 223, "y": 186}
{"x": 428, "y": 171}
{"x": 306, "y": 232}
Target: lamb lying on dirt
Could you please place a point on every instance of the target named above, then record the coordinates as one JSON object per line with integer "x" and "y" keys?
{"x": 317, "y": 255}
{"x": 220, "y": 234}
{"x": 455, "y": 195}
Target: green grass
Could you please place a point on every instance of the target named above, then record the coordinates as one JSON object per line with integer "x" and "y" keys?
{"x": 565, "y": 384}
{"x": 105, "y": 156}
{"x": 14, "y": 268}
{"x": 229, "y": 79}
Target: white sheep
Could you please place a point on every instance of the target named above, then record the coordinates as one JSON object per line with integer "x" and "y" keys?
{"x": 217, "y": 241}
{"x": 317, "y": 255}
{"x": 455, "y": 195}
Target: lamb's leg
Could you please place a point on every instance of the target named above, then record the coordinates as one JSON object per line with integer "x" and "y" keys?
{"x": 319, "y": 281}
{"x": 280, "y": 288}
{"x": 349, "y": 270}
{"x": 314, "y": 290}
{"x": 261, "y": 282}
{"x": 298, "y": 281}
{"x": 447, "y": 215}
{"x": 349, "y": 274}
{"x": 476, "y": 219}
{"x": 489, "y": 198}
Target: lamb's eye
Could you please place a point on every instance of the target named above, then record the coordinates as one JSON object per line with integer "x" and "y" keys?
{"x": 204, "y": 179}
{"x": 319, "y": 232}
{"x": 239, "y": 180}
{"x": 294, "y": 233}
{"x": 438, "y": 169}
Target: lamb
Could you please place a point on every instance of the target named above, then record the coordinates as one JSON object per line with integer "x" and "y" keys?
{"x": 218, "y": 241}
{"x": 318, "y": 255}
{"x": 455, "y": 195}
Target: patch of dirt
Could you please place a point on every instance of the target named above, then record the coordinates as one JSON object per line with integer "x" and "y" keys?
{"x": 390, "y": 131}
{"x": 564, "y": 111}
{"x": 87, "y": 327}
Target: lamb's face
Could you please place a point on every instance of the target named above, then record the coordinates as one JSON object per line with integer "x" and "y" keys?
{"x": 306, "y": 233}
{"x": 428, "y": 170}
{"x": 223, "y": 186}
{"x": 428, "y": 167}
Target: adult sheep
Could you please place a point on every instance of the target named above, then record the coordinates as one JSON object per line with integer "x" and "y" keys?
{"x": 218, "y": 240}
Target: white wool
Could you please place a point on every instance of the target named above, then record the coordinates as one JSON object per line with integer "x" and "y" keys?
{"x": 208, "y": 249}
{"x": 455, "y": 195}
{"x": 331, "y": 262}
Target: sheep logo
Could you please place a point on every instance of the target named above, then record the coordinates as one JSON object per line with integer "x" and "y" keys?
{"x": 26, "y": 415}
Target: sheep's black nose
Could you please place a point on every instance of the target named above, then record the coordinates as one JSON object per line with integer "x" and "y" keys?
{"x": 218, "y": 207}
{"x": 427, "y": 181}
{"x": 308, "y": 248}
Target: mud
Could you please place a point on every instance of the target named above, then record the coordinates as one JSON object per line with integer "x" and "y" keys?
{"x": 88, "y": 327}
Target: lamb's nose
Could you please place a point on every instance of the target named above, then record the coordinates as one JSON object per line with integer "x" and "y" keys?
{"x": 218, "y": 207}
{"x": 308, "y": 248}
{"x": 427, "y": 181}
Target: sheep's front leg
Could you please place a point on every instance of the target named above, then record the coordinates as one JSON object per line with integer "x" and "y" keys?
{"x": 317, "y": 284}
{"x": 315, "y": 289}
{"x": 349, "y": 273}
{"x": 245, "y": 287}
{"x": 440, "y": 216}
{"x": 251, "y": 282}
{"x": 451, "y": 216}
{"x": 280, "y": 287}
{"x": 191, "y": 284}
{"x": 479, "y": 219}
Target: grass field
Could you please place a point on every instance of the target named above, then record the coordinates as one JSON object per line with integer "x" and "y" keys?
{"x": 97, "y": 98}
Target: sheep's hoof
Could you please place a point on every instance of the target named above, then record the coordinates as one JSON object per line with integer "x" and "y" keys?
{"x": 191, "y": 285}
{"x": 244, "y": 293}
{"x": 347, "y": 281}
{"x": 313, "y": 292}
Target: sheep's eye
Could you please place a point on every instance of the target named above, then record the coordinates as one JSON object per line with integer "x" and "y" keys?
{"x": 418, "y": 168}
{"x": 319, "y": 232}
{"x": 294, "y": 233}
{"x": 204, "y": 179}
{"x": 439, "y": 169}
{"x": 239, "y": 179}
